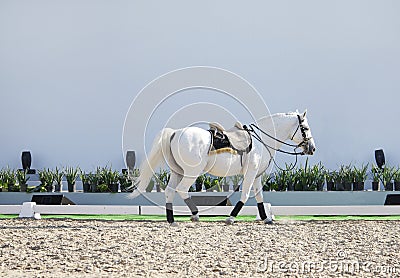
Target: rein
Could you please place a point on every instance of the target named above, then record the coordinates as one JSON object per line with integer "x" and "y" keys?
{"x": 268, "y": 147}
{"x": 258, "y": 138}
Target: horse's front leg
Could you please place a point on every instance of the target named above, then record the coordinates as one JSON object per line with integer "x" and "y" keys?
{"x": 258, "y": 192}
{"x": 248, "y": 181}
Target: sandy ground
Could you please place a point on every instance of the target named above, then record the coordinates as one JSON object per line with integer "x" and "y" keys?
{"x": 61, "y": 248}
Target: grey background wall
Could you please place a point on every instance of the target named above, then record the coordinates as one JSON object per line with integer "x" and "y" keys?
{"x": 70, "y": 69}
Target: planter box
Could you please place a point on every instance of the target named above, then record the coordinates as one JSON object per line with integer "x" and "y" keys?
{"x": 210, "y": 200}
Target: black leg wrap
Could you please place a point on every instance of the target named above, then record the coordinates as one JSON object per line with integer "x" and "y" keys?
{"x": 237, "y": 209}
{"x": 192, "y": 206}
{"x": 261, "y": 211}
{"x": 170, "y": 213}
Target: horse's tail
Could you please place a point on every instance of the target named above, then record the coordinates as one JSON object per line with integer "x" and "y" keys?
{"x": 160, "y": 151}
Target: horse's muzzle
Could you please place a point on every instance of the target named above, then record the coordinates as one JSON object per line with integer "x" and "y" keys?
{"x": 309, "y": 148}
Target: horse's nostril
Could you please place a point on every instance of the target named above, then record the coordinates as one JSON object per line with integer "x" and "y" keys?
{"x": 313, "y": 149}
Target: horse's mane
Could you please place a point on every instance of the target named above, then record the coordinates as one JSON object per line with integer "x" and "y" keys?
{"x": 281, "y": 115}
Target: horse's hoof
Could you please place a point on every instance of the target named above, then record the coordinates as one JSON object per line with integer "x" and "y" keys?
{"x": 195, "y": 218}
{"x": 173, "y": 224}
{"x": 230, "y": 220}
{"x": 268, "y": 221}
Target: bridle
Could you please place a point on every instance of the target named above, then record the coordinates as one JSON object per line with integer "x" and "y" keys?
{"x": 300, "y": 127}
{"x": 303, "y": 130}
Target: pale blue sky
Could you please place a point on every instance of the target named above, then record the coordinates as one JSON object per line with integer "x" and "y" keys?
{"x": 70, "y": 69}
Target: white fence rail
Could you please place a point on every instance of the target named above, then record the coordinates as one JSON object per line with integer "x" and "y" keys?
{"x": 216, "y": 210}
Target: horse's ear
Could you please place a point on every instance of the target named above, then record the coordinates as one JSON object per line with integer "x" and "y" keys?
{"x": 304, "y": 113}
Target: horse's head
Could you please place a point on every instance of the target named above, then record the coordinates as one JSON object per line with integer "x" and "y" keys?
{"x": 302, "y": 134}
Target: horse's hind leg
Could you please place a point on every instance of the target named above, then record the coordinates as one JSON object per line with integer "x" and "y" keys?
{"x": 169, "y": 196}
{"x": 183, "y": 188}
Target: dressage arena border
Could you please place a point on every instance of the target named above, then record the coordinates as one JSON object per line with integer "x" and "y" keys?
{"x": 289, "y": 198}
{"x": 373, "y": 210}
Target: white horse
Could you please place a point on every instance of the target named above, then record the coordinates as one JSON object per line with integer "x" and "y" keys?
{"x": 187, "y": 153}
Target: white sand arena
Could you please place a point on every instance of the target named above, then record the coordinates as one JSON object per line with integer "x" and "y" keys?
{"x": 72, "y": 248}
